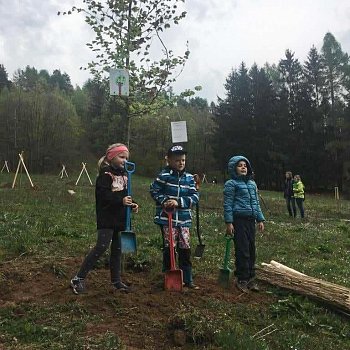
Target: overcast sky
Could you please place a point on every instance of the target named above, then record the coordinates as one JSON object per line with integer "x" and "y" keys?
{"x": 221, "y": 34}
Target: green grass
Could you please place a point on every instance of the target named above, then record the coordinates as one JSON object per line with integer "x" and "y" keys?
{"x": 52, "y": 327}
{"x": 50, "y": 224}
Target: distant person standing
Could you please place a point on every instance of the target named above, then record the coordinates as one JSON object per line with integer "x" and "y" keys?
{"x": 299, "y": 194}
{"x": 288, "y": 194}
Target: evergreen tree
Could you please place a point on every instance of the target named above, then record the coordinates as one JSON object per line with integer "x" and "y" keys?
{"x": 315, "y": 75}
{"x": 335, "y": 63}
{"x": 263, "y": 148}
{"x": 61, "y": 81}
{"x": 291, "y": 72}
{"x": 4, "y": 82}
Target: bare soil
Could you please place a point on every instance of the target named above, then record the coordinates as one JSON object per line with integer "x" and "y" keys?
{"x": 142, "y": 317}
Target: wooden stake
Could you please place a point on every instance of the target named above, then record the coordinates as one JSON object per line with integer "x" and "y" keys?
{"x": 336, "y": 193}
{"x": 82, "y": 170}
{"x": 17, "y": 170}
{"x": 21, "y": 162}
{"x": 63, "y": 172}
{"x": 5, "y": 167}
{"x": 87, "y": 174}
{"x": 25, "y": 168}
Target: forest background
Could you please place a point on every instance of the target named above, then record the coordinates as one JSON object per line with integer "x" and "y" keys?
{"x": 287, "y": 116}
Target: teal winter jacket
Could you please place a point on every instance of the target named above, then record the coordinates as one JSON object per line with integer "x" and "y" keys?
{"x": 171, "y": 184}
{"x": 241, "y": 197}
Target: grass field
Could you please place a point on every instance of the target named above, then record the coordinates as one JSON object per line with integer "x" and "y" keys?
{"x": 45, "y": 233}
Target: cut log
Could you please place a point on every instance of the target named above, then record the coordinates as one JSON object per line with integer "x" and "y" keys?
{"x": 283, "y": 276}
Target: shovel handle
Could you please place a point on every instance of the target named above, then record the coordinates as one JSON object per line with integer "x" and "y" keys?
{"x": 227, "y": 252}
{"x": 197, "y": 222}
{"x": 169, "y": 213}
{"x": 197, "y": 181}
{"x": 129, "y": 168}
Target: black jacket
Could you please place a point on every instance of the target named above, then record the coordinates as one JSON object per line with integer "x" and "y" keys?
{"x": 288, "y": 188}
{"x": 111, "y": 188}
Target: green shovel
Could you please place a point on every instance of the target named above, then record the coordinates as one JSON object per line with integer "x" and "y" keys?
{"x": 225, "y": 272}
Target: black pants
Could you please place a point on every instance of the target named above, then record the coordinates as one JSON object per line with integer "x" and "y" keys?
{"x": 104, "y": 239}
{"x": 291, "y": 206}
{"x": 300, "y": 204}
{"x": 244, "y": 239}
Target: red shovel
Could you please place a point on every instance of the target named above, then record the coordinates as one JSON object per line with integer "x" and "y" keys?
{"x": 173, "y": 278}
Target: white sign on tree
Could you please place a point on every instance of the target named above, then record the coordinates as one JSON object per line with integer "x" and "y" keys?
{"x": 119, "y": 82}
{"x": 179, "y": 131}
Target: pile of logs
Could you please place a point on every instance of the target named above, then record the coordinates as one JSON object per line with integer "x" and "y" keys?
{"x": 285, "y": 277}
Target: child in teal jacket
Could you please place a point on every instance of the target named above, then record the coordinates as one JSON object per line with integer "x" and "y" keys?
{"x": 241, "y": 212}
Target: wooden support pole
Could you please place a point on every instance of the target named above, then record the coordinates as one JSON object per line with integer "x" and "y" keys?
{"x": 26, "y": 170}
{"x": 63, "y": 172}
{"x": 336, "y": 193}
{"x": 21, "y": 162}
{"x": 17, "y": 170}
{"x": 88, "y": 175}
{"x": 5, "y": 167}
{"x": 82, "y": 170}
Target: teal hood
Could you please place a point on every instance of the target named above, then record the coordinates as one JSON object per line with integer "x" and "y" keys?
{"x": 232, "y": 163}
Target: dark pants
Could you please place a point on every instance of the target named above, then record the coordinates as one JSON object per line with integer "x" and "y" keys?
{"x": 104, "y": 239}
{"x": 244, "y": 239}
{"x": 300, "y": 204}
{"x": 291, "y": 206}
{"x": 185, "y": 263}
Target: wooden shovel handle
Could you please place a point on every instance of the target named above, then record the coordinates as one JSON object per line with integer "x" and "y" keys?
{"x": 197, "y": 181}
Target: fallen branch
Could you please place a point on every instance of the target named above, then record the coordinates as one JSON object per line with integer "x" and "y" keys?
{"x": 285, "y": 277}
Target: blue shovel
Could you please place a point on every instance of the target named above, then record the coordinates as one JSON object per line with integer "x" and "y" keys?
{"x": 128, "y": 242}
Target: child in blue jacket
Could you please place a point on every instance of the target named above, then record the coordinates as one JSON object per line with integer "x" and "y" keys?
{"x": 175, "y": 189}
{"x": 241, "y": 212}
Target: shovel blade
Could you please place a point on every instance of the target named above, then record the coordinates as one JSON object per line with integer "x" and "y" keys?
{"x": 128, "y": 242}
{"x": 173, "y": 280}
{"x": 198, "y": 253}
{"x": 225, "y": 276}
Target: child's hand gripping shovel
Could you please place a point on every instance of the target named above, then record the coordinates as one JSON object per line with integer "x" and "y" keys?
{"x": 225, "y": 272}
{"x": 173, "y": 278}
{"x": 198, "y": 253}
{"x": 128, "y": 242}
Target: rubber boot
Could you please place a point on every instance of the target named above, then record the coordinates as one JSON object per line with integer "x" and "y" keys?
{"x": 187, "y": 275}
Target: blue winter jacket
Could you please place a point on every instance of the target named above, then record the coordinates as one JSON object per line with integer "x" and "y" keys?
{"x": 241, "y": 197}
{"x": 171, "y": 184}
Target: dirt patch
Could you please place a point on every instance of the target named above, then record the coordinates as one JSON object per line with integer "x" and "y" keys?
{"x": 140, "y": 318}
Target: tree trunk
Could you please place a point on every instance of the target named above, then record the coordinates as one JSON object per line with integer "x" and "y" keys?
{"x": 285, "y": 277}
